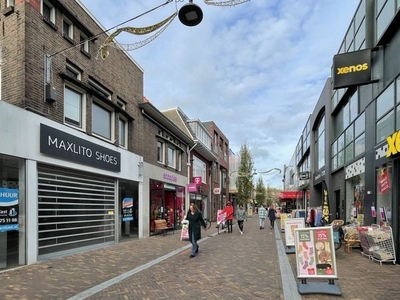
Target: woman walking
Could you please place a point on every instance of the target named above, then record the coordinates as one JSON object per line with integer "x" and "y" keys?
{"x": 241, "y": 215}
{"x": 272, "y": 215}
{"x": 195, "y": 218}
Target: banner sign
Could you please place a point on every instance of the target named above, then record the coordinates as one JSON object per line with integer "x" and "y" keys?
{"x": 352, "y": 68}
{"x": 9, "y": 209}
{"x": 220, "y": 216}
{"x": 283, "y": 219}
{"x": 315, "y": 252}
{"x": 60, "y": 144}
{"x": 290, "y": 226}
{"x": 185, "y": 230}
{"x": 127, "y": 209}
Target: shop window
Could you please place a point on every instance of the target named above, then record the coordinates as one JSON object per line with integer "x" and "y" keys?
{"x": 355, "y": 199}
{"x": 384, "y": 194}
{"x": 102, "y": 121}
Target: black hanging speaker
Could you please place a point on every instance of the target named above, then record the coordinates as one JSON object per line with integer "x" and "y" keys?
{"x": 190, "y": 14}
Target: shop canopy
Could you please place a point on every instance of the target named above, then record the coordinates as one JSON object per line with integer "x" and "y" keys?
{"x": 289, "y": 195}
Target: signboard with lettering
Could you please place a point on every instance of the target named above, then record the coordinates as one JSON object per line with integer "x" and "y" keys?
{"x": 9, "y": 209}
{"x": 66, "y": 146}
{"x": 315, "y": 252}
{"x": 352, "y": 68}
{"x": 290, "y": 225}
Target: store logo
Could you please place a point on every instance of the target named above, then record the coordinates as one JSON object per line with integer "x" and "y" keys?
{"x": 393, "y": 144}
{"x": 350, "y": 69}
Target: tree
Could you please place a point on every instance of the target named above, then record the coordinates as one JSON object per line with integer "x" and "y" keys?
{"x": 244, "y": 179}
{"x": 260, "y": 192}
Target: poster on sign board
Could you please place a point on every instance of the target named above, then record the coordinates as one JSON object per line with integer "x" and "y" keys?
{"x": 315, "y": 252}
{"x": 290, "y": 226}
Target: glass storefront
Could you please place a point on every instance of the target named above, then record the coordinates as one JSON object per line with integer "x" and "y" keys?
{"x": 166, "y": 202}
{"x": 129, "y": 209}
{"x": 12, "y": 212}
{"x": 383, "y": 209}
{"x": 355, "y": 198}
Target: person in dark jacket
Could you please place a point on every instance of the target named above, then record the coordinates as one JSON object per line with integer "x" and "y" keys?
{"x": 272, "y": 215}
{"x": 195, "y": 218}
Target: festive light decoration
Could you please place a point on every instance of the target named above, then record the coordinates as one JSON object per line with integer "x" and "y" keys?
{"x": 225, "y": 3}
{"x": 138, "y": 31}
{"x": 161, "y": 26}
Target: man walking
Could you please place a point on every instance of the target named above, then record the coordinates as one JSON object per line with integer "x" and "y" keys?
{"x": 262, "y": 213}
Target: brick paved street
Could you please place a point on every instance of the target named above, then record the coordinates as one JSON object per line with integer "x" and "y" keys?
{"x": 229, "y": 266}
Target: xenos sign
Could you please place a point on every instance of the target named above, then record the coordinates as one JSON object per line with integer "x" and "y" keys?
{"x": 352, "y": 69}
{"x": 393, "y": 144}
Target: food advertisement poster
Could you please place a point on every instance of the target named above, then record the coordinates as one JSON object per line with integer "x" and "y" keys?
{"x": 315, "y": 252}
{"x": 290, "y": 226}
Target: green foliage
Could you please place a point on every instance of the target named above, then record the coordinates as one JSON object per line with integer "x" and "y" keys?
{"x": 260, "y": 192}
{"x": 244, "y": 180}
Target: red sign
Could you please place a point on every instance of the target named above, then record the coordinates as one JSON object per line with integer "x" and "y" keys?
{"x": 383, "y": 181}
{"x": 197, "y": 179}
{"x": 290, "y": 195}
{"x": 192, "y": 187}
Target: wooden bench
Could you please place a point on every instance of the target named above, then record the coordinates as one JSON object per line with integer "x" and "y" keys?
{"x": 161, "y": 225}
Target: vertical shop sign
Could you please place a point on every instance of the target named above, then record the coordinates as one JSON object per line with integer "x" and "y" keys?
{"x": 325, "y": 205}
{"x": 9, "y": 209}
{"x": 315, "y": 253}
{"x": 383, "y": 180}
{"x": 127, "y": 209}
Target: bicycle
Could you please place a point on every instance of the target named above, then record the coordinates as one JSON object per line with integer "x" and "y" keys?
{"x": 208, "y": 223}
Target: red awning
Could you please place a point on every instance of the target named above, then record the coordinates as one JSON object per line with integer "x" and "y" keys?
{"x": 287, "y": 195}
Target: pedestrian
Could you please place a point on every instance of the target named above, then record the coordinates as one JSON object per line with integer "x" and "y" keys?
{"x": 272, "y": 215}
{"x": 195, "y": 218}
{"x": 228, "y": 210}
{"x": 241, "y": 215}
{"x": 262, "y": 213}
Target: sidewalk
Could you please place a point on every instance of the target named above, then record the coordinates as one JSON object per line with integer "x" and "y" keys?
{"x": 229, "y": 266}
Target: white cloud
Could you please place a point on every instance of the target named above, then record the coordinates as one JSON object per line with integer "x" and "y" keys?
{"x": 255, "y": 69}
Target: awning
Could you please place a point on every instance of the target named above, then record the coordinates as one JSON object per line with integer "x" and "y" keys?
{"x": 287, "y": 195}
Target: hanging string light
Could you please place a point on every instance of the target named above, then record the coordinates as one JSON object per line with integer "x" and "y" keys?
{"x": 190, "y": 15}
{"x": 225, "y": 3}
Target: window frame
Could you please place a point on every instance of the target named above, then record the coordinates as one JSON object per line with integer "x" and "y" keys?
{"x": 124, "y": 139}
{"x": 171, "y": 156}
{"x": 82, "y": 123}
{"x": 101, "y": 105}
{"x": 160, "y": 152}
{"x": 52, "y": 12}
{"x": 70, "y": 30}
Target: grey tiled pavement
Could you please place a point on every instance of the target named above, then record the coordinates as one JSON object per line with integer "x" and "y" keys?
{"x": 229, "y": 266}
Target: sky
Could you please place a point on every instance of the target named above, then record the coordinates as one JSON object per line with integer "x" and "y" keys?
{"x": 256, "y": 69}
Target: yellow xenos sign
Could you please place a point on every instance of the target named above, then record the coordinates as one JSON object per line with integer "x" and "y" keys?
{"x": 352, "y": 68}
{"x": 393, "y": 144}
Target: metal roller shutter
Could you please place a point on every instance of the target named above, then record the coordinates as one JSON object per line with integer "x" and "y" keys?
{"x": 75, "y": 210}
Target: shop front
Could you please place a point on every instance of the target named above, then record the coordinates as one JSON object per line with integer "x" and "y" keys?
{"x": 59, "y": 189}
{"x": 291, "y": 200}
{"x": 167, "y": 201}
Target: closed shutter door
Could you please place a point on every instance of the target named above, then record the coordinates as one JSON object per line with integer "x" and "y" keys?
{"x": 75, "y": 210}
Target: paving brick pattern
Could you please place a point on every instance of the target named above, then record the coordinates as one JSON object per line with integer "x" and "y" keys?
{"x": 229, "y": 266}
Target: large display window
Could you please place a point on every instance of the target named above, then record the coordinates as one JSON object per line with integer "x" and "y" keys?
{"x": 383, "y": 209}
{"x": 166, "y": 202}
{"x": 12, "y": 212}
{"x": 355, "y": 199}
